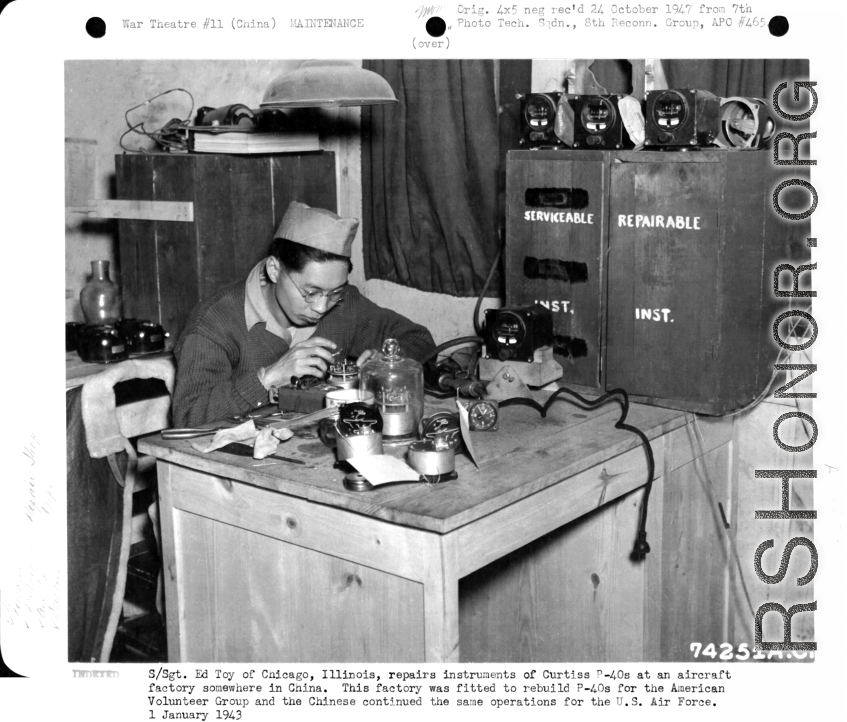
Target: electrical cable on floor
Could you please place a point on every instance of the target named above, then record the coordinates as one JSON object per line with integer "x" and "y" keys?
{"x": 641, "y": 547}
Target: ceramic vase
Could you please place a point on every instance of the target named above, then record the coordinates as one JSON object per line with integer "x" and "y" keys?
{"x": 100, "y": 298}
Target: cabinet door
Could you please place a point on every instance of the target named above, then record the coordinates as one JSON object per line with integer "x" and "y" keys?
{"x": 168, "y": 267}
{"x": 139, "y": 252}
{"x": 554, "y": 251}
{"x": 664, "y": 265}
{"x": 233, "y": 217}
{"x": 240, "y": 201}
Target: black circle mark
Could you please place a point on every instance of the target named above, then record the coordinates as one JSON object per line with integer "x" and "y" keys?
{"x": 436, "y": 27}
{"x": 95, "y": 27}
{"x": 778, "y": 26}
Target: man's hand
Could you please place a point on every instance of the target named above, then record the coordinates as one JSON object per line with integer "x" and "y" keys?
{"x": 307, "y": 358}
{"x": 365, "y": 356}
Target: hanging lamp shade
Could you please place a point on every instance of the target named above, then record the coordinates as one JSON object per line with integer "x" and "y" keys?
{"x": 327, "y": 84}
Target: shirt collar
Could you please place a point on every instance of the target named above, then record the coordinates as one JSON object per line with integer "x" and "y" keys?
{"x": 256, "y": 306}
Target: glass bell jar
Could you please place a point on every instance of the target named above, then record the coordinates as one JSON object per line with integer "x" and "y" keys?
{"x": 397, "y": 384}
{"x": 100, "y": 298}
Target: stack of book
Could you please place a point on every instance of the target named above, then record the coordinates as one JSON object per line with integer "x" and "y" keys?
{"x": 294, "y": 141}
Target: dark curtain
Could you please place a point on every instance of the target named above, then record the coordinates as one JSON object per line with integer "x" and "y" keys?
{"x": 747, "y": 78}
{"x": 429, "y": 176}
{"x": 613, "y": 76}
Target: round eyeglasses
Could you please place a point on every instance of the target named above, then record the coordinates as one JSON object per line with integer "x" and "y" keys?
{"x": 312, "y": 297}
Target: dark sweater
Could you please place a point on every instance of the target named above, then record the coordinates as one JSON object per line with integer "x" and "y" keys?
{"x": 218, "y": 358}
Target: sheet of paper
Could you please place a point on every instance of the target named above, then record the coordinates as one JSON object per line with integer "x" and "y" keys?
{"x": 383, "y": 469}
{"x": 465, "y": 426}
{"x": 242, "y": 432}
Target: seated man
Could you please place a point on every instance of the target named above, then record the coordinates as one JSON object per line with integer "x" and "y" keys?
{"x": 292, "y": 315}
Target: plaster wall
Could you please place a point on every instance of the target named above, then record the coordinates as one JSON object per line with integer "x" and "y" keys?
{"x": 98, "y": 94}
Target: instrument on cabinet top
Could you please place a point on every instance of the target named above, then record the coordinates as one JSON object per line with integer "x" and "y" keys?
{"x": 681, "y": 118}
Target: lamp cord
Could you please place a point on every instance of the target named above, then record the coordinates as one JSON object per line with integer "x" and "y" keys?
{"x": 477, "y": 325}
{"x": 450, "y": 344}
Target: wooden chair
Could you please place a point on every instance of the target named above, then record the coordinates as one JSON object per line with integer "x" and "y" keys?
{"x": 107, "y": 432}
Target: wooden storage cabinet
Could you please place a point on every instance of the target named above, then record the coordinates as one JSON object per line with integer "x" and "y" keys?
{"x": 555, "y": 231}
{"x": 167, "y": 267}
{"x": 676, "y": 303}
{"x": 690, "y": 307}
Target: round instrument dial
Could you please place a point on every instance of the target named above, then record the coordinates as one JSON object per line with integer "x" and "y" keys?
{"x": 669, "y": 111}
{"x": 482, "y": 416}
{"x": 598, "y": 115}
{"x": 441, "y": 430}
{"x": 540, "y": 112}
{"x": 509, "y": 334}
{"x": 357, "y": 419}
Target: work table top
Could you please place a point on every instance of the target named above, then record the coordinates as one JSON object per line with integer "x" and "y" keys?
{"x": 526, "y": 455}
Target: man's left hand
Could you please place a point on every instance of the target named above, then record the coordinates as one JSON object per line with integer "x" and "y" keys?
{"x": 366, "y": 355}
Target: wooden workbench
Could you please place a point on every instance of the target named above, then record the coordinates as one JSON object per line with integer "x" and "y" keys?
{"x": 524, "y": 559}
